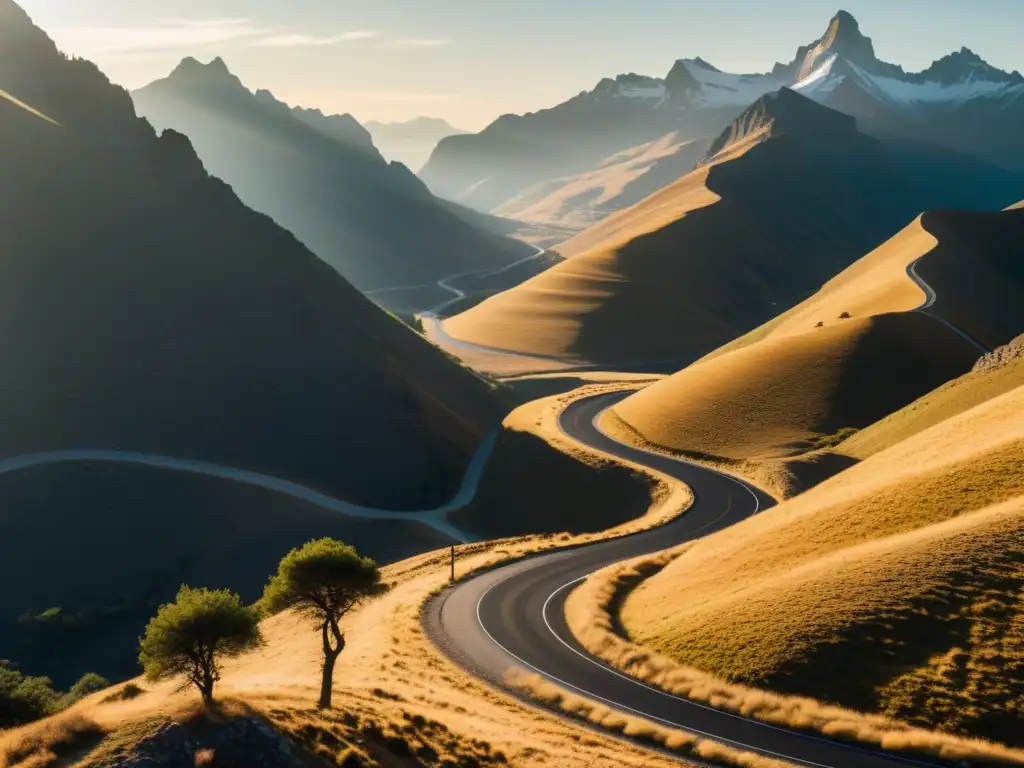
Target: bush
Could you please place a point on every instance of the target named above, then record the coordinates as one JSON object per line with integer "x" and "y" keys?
{"x": 89, "y": 684}
{"x": 189, "y": 636}
{"x": 24, "y": 699}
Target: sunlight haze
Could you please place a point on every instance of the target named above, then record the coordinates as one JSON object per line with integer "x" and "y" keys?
{"x": 469, "y": 61}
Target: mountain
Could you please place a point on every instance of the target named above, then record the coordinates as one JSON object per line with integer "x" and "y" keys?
{"x": 425, "y": 129}
{"x": 857, "y": 351}
{"x": 960, "y": 102}
{"x": 790, "y": 194}
{"x": 627, "y": 177}
{"x": 412, "y": 141}
{"x": 145, "y": 309}
{"x": 321, "y": 177}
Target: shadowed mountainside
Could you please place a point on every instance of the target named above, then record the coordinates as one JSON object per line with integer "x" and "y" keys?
{"x": 321, "y": 178}
{"x": 164, "y": 316}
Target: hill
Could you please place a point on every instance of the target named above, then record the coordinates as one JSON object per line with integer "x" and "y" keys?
{"x": 793, "y": 194}
{"x": 994, "y": 374}
{"x": 960, "y": 102}
{"x": 850, "y": 355}
{"x": 893, "y": 588}
{"x": 321, "y": 177}
{"x": 145, "y": 308}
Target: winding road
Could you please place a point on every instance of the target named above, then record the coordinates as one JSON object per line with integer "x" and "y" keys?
{"x": 514, "y": 616}
{"x": 930, "y": 297}
{"x": 434, "y": 518}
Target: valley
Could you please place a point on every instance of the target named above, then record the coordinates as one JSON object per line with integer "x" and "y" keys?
{"x": 676, "y": 422}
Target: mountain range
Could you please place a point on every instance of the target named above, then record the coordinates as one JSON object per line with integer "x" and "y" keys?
{"x": 789, "y": 194}
{"x": 322, "y": 178}
{"x": 959, "y": 102}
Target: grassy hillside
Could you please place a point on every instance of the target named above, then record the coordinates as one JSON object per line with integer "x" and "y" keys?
{"x": 783, "y": 206}
{"x": 846, "y": 357}
{"x": 792, "y": 395}
{"x": 993, "y": 375}
{"x": 894, "y": 587}
{"x": 373, "y": 221}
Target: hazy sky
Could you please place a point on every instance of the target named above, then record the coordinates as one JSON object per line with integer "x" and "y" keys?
{"x": 471, "y": 60}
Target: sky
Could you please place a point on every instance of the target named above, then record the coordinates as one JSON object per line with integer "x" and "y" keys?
{"x": 470, "y": 61}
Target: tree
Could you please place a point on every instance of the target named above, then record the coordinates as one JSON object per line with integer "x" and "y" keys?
{"x": 325, "y": 579}
{"x": 188, "y": 636}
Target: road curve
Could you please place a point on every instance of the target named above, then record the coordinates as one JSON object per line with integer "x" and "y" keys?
{"x": 514, "y": 615}
{"x": 930, "y": 297}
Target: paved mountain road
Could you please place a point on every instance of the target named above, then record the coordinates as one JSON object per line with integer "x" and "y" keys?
{"x": 514, "y": 615}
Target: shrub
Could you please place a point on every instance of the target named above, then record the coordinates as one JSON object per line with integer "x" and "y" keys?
{"x": 22, "y": 698}
{"x": 188, "y": 636}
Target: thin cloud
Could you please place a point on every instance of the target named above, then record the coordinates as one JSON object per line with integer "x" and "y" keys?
{"x": 419, "y": 42}
{"x": 166, "y": 34}
{"x": 312, "y": 41}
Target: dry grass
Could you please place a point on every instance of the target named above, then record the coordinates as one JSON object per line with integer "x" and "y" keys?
{"x": 895, "y": 587}
{"x": 592, "y": 611}
{"x": 670, "y": 739}
{"x": 45, "y": 745}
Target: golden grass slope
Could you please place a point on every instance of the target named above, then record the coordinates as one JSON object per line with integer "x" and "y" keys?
{"x": 896, "y": 587}
{"x": 845, "y": 358}
{"x": 785, "y": 396}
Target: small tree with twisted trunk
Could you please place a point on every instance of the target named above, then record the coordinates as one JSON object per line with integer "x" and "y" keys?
{"x": 188, "y": 636}
{"x": 325, "y": 579}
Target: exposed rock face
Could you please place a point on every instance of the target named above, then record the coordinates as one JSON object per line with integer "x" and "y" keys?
{"x": 248, "y": 742}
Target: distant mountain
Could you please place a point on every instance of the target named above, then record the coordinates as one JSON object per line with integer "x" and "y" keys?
{"x": 322, "y": 178}
{"x": 418, "y": 129}
{"x": 627, "y": 177}
{"x": 788, "y": 195}
{"x": 959, "y": 101}
{"x": 412, "y": 141}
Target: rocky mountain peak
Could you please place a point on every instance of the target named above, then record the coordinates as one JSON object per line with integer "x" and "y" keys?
{"x": 844, "y": 40}
{"x": 680, "y": 82}
{"x": 191, "y": 71}
{"x": 782, "y": 112}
